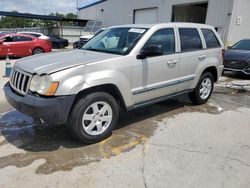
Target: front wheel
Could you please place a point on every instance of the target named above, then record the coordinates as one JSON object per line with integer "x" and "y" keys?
{"x": 60, "y": 46}
{"x": 203, "y": 90}
{"x": 93, "y": 117}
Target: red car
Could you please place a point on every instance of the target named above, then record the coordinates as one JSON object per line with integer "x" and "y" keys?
{"x": 19, "y": 45}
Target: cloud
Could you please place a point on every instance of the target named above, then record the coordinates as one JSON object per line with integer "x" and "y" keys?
{"x": 39, "y": 6}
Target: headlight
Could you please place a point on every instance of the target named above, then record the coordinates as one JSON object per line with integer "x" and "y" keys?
{"x": 43, "y": 85}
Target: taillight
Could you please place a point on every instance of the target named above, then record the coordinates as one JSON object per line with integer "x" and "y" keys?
{"x": 223, "y": 54}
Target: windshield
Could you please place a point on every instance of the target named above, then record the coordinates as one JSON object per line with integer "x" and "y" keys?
{"x": 115, "y": 40}
{"x": 242, "y": 45}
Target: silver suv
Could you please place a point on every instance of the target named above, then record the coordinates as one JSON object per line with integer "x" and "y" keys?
{"x": 124, "y": 67}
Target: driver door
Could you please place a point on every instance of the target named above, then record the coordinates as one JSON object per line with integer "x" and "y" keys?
{"x": 6, "y": 46}
{"x": 155, "y": 77}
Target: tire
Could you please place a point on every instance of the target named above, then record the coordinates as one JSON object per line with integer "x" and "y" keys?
{"x": 203, "y": 90}
{"x": 89, "y": 121}
{"x": 37, "y": 51}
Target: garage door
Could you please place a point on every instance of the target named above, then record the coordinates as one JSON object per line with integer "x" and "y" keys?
{"x": 145, "y": 16}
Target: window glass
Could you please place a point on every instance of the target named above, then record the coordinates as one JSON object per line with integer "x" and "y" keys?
{"x": 165, "y": 38}
{"x": 115, "y": 40}
{"x": 210, "y": 38}
{"x": 21, "y": 39}
{"x": 190, "y": 39}
{"x": 35, "y": 35}
{"x": 8, "y": 39}
{"x": 242, "y": 45}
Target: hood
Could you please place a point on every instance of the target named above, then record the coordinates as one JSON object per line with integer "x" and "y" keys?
{"x": 53, "y": 62}
{"x": 237, "y": 55}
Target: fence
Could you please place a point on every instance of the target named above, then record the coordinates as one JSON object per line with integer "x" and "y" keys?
{"x": 72, "y": 33}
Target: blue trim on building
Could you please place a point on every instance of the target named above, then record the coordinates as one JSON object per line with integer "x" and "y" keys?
{"x": 91, "y": 4}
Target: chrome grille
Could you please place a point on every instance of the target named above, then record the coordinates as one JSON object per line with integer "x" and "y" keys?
{"x": 20, "y": 81}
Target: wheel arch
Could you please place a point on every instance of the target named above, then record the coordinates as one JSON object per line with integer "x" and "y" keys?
{"x": 213, "y": 70}
{"x": 111, "y": 89}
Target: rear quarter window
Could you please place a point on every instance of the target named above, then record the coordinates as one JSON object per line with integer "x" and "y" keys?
{"x": 210, "y": 38}
{"x": 190, "y": 39}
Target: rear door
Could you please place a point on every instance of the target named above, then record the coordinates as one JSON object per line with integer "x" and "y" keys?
{"x": 22, "y": 45}
{"x": 192, "y": 53}
{"x": 156, "y": 76}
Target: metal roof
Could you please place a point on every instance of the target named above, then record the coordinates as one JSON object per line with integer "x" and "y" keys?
{"x": 95, "y": 2}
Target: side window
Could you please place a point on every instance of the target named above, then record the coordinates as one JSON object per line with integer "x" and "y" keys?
{"x": 210, "y": 38}
{"x": 8, "y": 39}
{"x": 165, "y": 38}
{"x": 190, "y": 39}
{"x": 35, "y": 35}
{"x": 21, "y": 39}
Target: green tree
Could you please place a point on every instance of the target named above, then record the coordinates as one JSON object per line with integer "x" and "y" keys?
{"x": 13, "y": 22}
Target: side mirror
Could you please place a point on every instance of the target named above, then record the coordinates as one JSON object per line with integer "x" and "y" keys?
{"x": 150, "y": 51}
{"x": 229, "y": 47}
{"x": 1, "y": 41}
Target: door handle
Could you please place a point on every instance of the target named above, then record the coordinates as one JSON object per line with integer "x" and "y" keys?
{"x": 172, "y": 62}
{"x": 202, "y": 57}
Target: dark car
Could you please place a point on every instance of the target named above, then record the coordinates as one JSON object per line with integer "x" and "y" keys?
{"x": 58, "y": 42}
{"x": 237, "y": 58}
{"x": 84, "y": 39}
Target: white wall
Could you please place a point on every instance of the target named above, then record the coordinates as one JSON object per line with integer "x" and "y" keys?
{"x": 241, "y": 31}
{"x": 219, "y": 15}
{"x": 118, "y": 12}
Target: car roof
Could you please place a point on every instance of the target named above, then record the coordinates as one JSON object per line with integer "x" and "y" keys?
{"x": 16, "y": 34}
{"x": 170, "y": 24}
{"x": 30, "y": 32}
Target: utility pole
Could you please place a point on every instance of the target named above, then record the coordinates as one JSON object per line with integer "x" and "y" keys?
{"x": 77, "y": 5}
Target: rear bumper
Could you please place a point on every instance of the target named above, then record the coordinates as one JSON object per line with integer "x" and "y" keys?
{"x": 220, "y": 70}
{"x": 47, "y": 49}
{"x": 52, "y": 111}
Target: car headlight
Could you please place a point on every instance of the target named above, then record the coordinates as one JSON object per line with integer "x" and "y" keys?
{"x": 43, "y": 85}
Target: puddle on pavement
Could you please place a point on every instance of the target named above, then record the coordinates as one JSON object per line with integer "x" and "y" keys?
{"x": 62, "y": 152}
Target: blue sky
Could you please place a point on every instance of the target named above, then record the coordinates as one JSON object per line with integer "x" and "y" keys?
{"x": 41, "y": 6}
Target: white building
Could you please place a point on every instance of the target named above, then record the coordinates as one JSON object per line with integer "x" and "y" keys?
{"x": 231, "y": 18}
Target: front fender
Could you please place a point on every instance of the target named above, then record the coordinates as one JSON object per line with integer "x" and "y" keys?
{"x": 75, "y": 80}
{"x": 108, "y": 77}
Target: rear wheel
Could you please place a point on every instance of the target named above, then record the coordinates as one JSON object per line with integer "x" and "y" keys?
{"x": 203, "y": 90}
{"x": 37, "y": 51}
{"x": 94, "y": 117}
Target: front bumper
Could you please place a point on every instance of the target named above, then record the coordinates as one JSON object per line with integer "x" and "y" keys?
{"x": 54, "y": 111}
{"x": 244, "y": 71}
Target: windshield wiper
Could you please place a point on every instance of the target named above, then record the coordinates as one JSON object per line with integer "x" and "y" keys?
{"x": 93, "y": 49}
